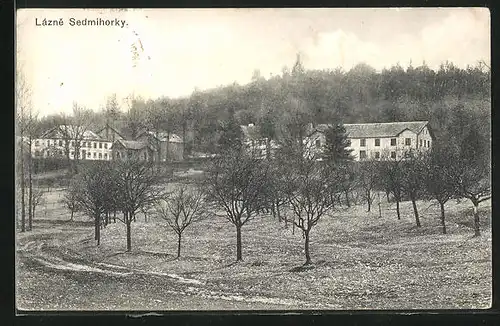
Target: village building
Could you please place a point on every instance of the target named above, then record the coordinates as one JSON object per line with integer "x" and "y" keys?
{"x": 381, "y": 140}
{"x": 254, "y": 143}
{"x": 168, "y": 147}
{"x": 56, "y": 142}
{"x": 132, "y": 149}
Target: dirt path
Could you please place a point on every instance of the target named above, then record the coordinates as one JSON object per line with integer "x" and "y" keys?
{"x": 51, "y": 277}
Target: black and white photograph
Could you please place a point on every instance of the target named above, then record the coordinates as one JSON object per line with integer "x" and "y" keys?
{"x": 230, "y": 159}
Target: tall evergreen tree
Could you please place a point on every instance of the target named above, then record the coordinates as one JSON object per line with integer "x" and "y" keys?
{"x": 336, "y": 145}
{"x": 231, "y": 135}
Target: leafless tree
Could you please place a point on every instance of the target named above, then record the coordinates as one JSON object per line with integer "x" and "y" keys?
{"x": 70, "y": 198}
{"x": 390, "y": 175}
{"x": 37, "y": 197}
{"x": 136, "y": 188}
{"x": 368, "y": 180}
{"x": 439, "y": 182}
{"x": 238, "y": 184}
{"x": 180, "y": 209}
{"x": 412, "y": 172}
{"x": 472, "y": 174}
{"x": 312, "y": 185}
{"x": 26, "y": 128}
{"x": 92, "y": 191}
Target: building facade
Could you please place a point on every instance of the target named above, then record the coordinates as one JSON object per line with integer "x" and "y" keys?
{"x": 168, "y": 147}
{"x": 381, "y": 140}
{"x": 132, "y": 149}
{"x": 60, "y": 140}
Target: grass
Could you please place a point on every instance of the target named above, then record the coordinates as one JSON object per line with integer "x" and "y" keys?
{"x": 361, "y": 261}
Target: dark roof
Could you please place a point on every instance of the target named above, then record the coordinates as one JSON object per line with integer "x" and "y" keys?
{"x": 103, "y": 135}
{"x": 251, "y": 132}
{"x": 387, "y": 129}
{"x": 69, "y": 131}
{"x": 131, "y": 144}
{"x": 162, "y": 136}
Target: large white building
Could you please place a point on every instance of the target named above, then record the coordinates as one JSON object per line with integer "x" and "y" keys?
{"x": 53, "y": 142}
{"x": 381, "y": 140}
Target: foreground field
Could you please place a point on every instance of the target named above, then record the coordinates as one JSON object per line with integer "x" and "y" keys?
{"x": 361, "y": 261}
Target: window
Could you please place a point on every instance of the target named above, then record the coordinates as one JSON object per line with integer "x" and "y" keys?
{"x": 377, "y": 155}
{"x": 362, "y": 142}
{"x": 106, "y": 145}
{"x": 84, "y": 154}
{"x": 408, "y": 141}
{"x": 106, "y": 156}
{"x": 72, "y": 143}
{"x": 100, "y": 145}
{"x": 37, "y": 143}
{"x": 37, "y": 153}
{"x": 72, "y": 153}
{"x": 95, "y": 145}
{"x": 428, "y": 143}
{"x": 100, "y": 155}
{"x": 420, "y": 142}
{"x": 318, "y": 143}
{"x": 348, "y": 143}
{"x": 393, "y": 154}
{"x": 393, "y": 141}
{"x": 362, "y": 154}
{"x": 94, "y": 155}
{"x": 377, "y": 142}
{"x": 88, "y": 154}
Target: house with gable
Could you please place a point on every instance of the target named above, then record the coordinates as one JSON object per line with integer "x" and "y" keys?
{"x": 168, "y": 147}
{"x": 381, "y": 140}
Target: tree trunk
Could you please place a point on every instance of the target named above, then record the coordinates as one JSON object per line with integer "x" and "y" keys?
{"x": 397, "y": 208}
{"x": 184, "y": 127}
{"x": 96, "y": 227}
{"x": 368, "y": 201}
{"x": 72, "y": 213}
{"x": 347, "y": 198}
{"x": 179, "y": 245}
{"x": 278, "y": 211}
{"x": 306, "y": 248}
{"x": 477, "y": 231}
{"x": 239, "y": 256}
{"x": 30, "y": 198}
{"x": 129, "y": 237}
{"x": 23, "y": 193}
{"x": 268, "y": 148}
{"x": 133, "y": 216}
{"x": 167, "y": 149}
{"x": 442, "y": 217}
{"x": 114, "y": 216}
{"x": 415, "y": 211}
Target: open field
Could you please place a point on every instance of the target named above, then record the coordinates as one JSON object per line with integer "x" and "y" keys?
{"x": 360, "y": 261}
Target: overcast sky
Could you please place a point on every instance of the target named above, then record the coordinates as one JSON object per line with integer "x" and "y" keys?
{"x": 184, "y": 49}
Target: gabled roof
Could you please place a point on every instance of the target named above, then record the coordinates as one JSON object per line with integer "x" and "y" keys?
{"x": 70, "y": 131}
{"x": 102, "y": 133}
{"x": 251, "y": 132}
{"x": 130, "y": 144}
{"x": 162, "y": 136}
{"x": 387, "y": 129}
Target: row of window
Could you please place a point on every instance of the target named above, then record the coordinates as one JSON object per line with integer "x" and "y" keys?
{"x": 85, "y": 144}
{"x": 362, "y": 155}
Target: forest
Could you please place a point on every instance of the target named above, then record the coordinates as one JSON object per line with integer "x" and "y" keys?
{"x": 452, "y": 99}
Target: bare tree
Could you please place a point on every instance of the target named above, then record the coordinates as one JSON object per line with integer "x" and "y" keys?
{"x": 413, "y": 170}
{"x": 70, "y": 199}
{"x": 368, "y": 181}
{"x": 181, "y": 208}
{"x": 310, "y": 193}
{"x": 439, "y": 181}
{"x": 238, "y": 184}
{"x": 92, "y": 192}
{"x": 472, "y": 173}
{"x": 391, "y": 176}
{"x": 37, "y": 197}
{"x": 136, "y": 188}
